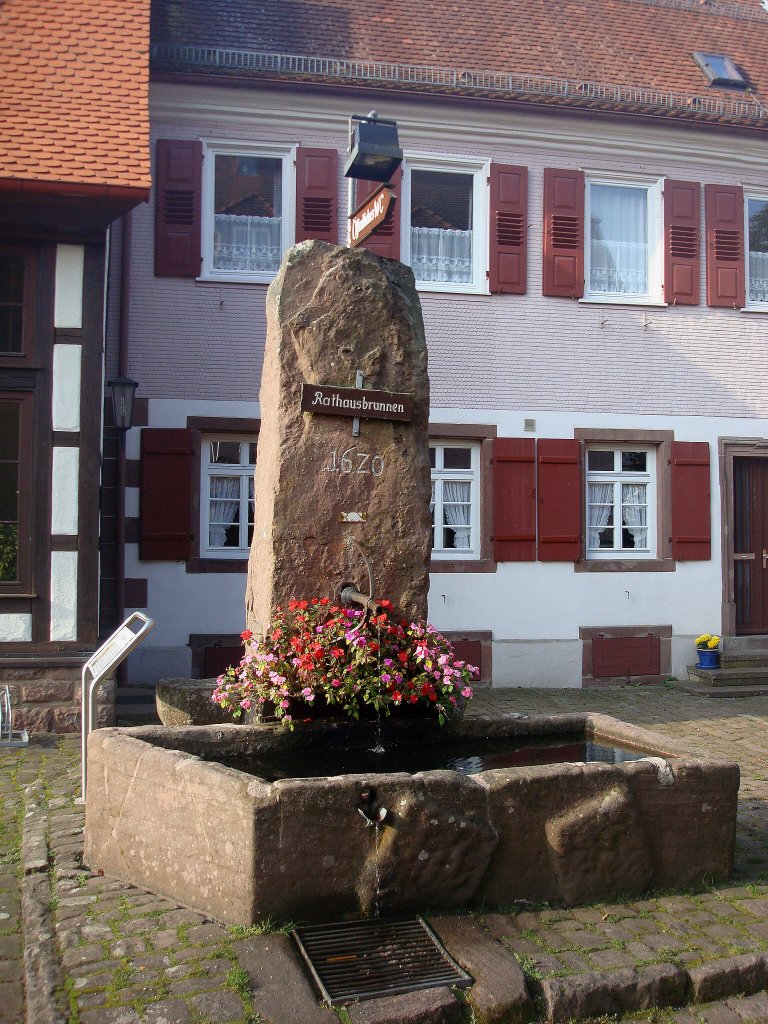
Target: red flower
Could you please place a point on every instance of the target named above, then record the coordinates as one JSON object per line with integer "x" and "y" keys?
{"x": 402, "y": 656}
{"x": 337, "y": 652}
{"x": 385, "y": 603}
{"x": 246, "y": 634}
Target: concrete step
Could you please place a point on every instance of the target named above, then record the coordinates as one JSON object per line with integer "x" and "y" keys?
{"x": 699, "y": 689}
{"x": 135, "y": 705}
{"x": 727, "y": 677}
{"x": 745, "y": 659}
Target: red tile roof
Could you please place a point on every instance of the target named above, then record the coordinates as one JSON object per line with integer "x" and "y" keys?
{"x": 641, "y": 44}
{"x": 74, "y": 95}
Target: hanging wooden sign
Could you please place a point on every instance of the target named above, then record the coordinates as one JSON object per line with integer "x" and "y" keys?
{"x": 370, "y": 214}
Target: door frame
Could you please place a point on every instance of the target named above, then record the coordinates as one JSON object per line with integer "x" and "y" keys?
{"x": 729, "y": 449}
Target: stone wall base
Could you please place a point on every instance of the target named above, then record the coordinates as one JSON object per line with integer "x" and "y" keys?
{"x": 46, "y": 698}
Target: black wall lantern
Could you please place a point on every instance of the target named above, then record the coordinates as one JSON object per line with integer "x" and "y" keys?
{"x": 123, "y": 390}
{"x": 374, "y": 148}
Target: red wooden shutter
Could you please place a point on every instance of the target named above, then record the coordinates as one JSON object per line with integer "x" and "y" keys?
{"x": 691, "y": 518}
{"x": 563, "y": 272}
{"x": 724, "y": 208}
{"x": 166, "y": 493}
{"x": 509, "y": 229}
{"x": 559, "y": 505}
{"x": 682, "y": 217}
{"x": 317, "y": 195}
{"x": 514, "y": 499}
{"x": 385, "y": 240}
{"x": 178, "y": 191}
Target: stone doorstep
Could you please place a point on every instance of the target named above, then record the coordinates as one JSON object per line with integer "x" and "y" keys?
{"x": 697, "y": 689}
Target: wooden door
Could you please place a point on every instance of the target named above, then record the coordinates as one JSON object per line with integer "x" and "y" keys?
{"x": 750, "y": 505}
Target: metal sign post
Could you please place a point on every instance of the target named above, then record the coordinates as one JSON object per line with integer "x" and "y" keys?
{"x": 103, "y": 661}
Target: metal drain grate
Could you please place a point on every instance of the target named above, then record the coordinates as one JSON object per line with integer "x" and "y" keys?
{"x": 365, "y": 959}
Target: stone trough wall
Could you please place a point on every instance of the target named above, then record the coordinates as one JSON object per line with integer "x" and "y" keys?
{"x": 242, "y": 849}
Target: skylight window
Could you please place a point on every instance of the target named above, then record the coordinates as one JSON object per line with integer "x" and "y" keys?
{"x": 719, "y": 69}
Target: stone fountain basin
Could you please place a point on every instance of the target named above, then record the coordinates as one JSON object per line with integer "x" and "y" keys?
{"x": 163, "y": 815}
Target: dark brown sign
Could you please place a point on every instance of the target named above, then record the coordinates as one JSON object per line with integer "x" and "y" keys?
{"x": 370, "y": 214}
{"x": 370, "y": 405}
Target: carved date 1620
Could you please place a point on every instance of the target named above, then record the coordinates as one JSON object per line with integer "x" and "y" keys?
{"x": 351, "y": 460}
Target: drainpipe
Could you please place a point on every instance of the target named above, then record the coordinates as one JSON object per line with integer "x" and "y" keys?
{"x": 122, "y": 369}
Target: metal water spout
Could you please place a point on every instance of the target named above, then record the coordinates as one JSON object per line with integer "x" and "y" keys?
{"x": 368, "y": 807}
{"x": 349, "y": 595}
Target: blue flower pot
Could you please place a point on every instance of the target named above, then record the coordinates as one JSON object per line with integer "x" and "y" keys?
{"x": 708, "y": 659}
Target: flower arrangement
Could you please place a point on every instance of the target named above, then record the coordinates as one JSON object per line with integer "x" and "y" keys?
{"x": 707, "y": 642}
{"x": 316, "y": 652}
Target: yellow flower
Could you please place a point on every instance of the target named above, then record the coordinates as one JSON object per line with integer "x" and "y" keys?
{"x": 703, "y": 639}
{"x": 713, "y": 642}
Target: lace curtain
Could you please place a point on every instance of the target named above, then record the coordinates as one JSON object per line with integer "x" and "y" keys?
{"x": 758, "y": 277}
{"x": 246, "y": 244}
{"x": 619, "y": 240}
{"x": 456, "y": 511}
{"x": 441, "y": 254}
{"x": 633, "y": 513}
{"x": 599, "y": 512}
{"x": 224, "y": 507}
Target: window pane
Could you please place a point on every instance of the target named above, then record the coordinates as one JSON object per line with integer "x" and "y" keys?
{"x": 633, "y": 462}
{"x": 252, "y": 454}
{"x": 224, "y": 512}
{"x": 757, "y": 210}
{"x": 9, "y": 492}
{"x": 456, "y": 514}
{"x": 225, "y": 452}
{"x": 441, "y": 226}
{"x": 247, "y": 214}
{"x": 618, "y": 239}
{"x": 599, "y": 462}
{"x": 9, "y": 552}
{"x": 11, "y": 301}
{"x": 634, "y": 517}
{"x": 432, "y": 459}
{"x": 457, "y": 458}
{"x": 9, "y": 430}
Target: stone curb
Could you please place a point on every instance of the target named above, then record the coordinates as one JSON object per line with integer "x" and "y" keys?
{"x": 43, "y": 972}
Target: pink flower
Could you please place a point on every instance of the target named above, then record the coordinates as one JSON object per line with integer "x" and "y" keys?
{"x": 307, "y": 692}
{"x": 284, "y": 703}
{"x": 467, "y": 691}
{"x": 336, "y": 682}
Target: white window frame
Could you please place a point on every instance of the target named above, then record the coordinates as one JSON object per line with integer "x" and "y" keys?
{"x": 212, "y": 149}
{"x": 245, "y": 471}
{"x": 618, "y": 477}
{"x": 761, "y": 196}
{"x": 655, "y": 231}
{"x": 458, "y": 475}
{"x": 480, "y": 171}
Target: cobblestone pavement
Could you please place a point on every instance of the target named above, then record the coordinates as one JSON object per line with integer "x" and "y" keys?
{"x": 129, "y": 956}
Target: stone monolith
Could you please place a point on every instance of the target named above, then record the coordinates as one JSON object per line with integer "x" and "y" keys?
{"x": 330, "y": 504}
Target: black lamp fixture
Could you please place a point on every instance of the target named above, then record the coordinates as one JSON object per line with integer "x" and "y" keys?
{"x": 123, "y": 390}
{"x": 374, "y": 148}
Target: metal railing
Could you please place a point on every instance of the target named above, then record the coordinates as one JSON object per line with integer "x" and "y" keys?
{"x": 9, "y": 737}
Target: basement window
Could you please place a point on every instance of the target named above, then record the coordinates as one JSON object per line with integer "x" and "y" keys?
{"x": 719, "y": 70}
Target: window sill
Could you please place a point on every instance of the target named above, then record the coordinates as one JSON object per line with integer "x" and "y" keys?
{"x": 203, "y": 565}
{"x": 438, "y": 288}
{"x": 234, "y": 279}
{"x": 462, "y": 565}
{"x": 625, "y": 565}
{"x": 622, "y": 300}
{"x": 754, "y": 309}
